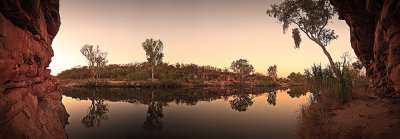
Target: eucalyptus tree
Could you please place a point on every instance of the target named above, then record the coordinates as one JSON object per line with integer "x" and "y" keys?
{"x": 242, "y": 67}
{"x": 154, "y": 53}
{"x": 310, "y": 17}
{"x": 101, "y": 58}
{"x": 272, "y": 72}
{"x": 94, "y": 56}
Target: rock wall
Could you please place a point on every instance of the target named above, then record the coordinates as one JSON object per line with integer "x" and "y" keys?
{"x": 30, "y": 99}
{"x": 375, "y": 38}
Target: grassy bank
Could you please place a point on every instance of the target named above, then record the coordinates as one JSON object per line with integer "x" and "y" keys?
{"x": 166, "y": 75}
{"x": 157, "y": 83}
{"x": 329, "y": 94}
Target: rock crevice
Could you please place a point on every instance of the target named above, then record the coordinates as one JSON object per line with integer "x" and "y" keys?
{"x": 375, "y": 38}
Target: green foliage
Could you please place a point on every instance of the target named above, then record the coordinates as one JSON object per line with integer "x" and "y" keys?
{"x": 92, "y": 83}
{"x": 154, "y": 53}
{"x": 119, "y": 73}
{"x": 272, "y": 72}
{"x": 189, "y": 77}
{"x": 190, "y": 68}
{"x": 75, "y": 73}
{"x": 342, "y": 88}
{"x": 297, "y": 78}
{"x": 163, "y": 68}
{"x": 242, "y": 66}
{"x": 153, "y": 50}
{"x": 95, "y": 57}
{"x": 169, "y": 76}
{"x": 139, "y": 75}
{"x": 311, "y": 17}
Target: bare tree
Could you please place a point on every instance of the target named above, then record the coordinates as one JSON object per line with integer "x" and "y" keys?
{"x": 88, "y": 51}
{"x": 95, "y": 57}
{"x": 154, "y": 53}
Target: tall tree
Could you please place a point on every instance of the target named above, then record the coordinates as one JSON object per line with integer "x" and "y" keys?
{"x": 95, "y": 57}
{"x": 311, "y": 17}
{"x": 154, "y": 53}
{"x": 272, "y": 72}
{"x": 101, "y": 58}
{"x": 242, "y": 67}
{"x": 88, "y": 51}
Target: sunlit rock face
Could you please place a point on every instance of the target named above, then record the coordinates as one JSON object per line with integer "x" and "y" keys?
{"x": 30, "y": 99}
{"x": 375, "y": 38}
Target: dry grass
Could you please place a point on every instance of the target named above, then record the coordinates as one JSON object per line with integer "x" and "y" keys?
{"x": 312, "y": 118}
{"x": 364, "y": 117}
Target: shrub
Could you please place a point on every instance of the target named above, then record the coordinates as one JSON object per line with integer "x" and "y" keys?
{"x": 93, "y": 83}
{"x": 271, "y": 83}
{"x": 169, "y": 76}
{"x": 189, "y": 77}
{"x": 139, "y": 75}
{"x": 119, "y": 72}
{"x": 341, "y": 88}
{"x": 296, "y": 78}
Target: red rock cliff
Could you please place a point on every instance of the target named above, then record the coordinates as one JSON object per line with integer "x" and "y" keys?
{"x": 375, "y": 38}
{"x": 30, "y": 99}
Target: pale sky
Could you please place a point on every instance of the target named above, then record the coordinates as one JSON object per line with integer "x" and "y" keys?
{"x": 203, "y": 32}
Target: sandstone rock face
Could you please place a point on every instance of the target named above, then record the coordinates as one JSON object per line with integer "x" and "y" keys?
{"x": 30, "y": 99}
{"x": 375, "y": 38}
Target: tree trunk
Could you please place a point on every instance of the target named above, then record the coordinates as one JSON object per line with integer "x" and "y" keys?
{"x": 335, "y": 70}
{"x": 152, "y": 74}
{"x": 93, "y": 74}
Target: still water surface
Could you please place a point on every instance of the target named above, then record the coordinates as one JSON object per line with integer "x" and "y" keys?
{"x": 182, "y": 113}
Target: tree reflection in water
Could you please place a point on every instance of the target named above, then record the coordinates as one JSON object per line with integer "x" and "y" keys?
{"x": 297, "y": 92}
{"x": 154, "y": 115}
{"x": 272, "y": 98}
{"x": 97, "y": 112}
{"x": 241, "y": 102}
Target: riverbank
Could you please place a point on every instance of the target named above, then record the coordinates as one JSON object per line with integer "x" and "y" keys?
{"x": 163, "y": 84}
{"x": 366, "y": 116}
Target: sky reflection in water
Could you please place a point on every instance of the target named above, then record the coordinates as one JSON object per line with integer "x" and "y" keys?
{"x": 182, "y": 113}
